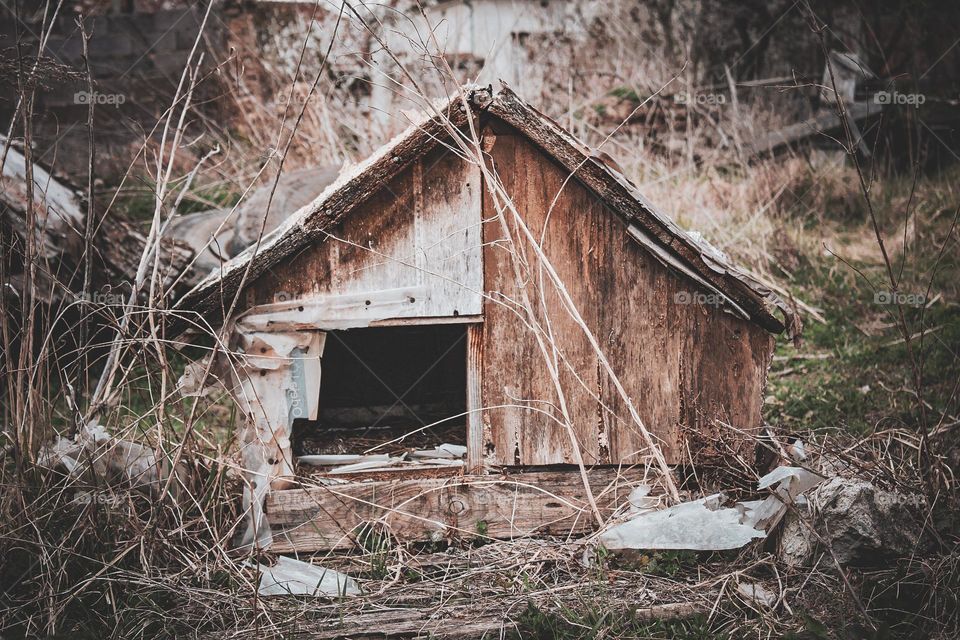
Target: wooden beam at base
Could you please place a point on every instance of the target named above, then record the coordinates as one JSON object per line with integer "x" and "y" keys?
{"x": 458, "y": 622}
{"x": 496, "y": 506}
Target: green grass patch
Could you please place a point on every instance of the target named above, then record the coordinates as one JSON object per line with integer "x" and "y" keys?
{"x": 626, "y": 93}
{"x": 861, "y": 378}
{"x": 855, "y": 371}
{"x": 139, "y": 203}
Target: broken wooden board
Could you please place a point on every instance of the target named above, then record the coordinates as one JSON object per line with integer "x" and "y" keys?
{"x": 494, "y": 506}
{"x": 819, "y": 124}
{"x": 59, "y": 219}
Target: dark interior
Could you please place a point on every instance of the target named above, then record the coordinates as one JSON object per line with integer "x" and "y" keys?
{"x": 381, "y": 383}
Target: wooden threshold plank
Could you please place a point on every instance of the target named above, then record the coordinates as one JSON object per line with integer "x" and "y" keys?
{"x": 507, "y": 505}
{"x": 462, "y": 622}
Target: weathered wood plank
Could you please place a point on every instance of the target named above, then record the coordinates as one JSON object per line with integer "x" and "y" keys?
{"x": 463, "y": 621}
{"x": 819, "y": 124}
{"x": 519, "y": 398}
{"x": 723, "y": 378}
{"x": 683, "y": 361}
{"x": 419, "y": 322}
{"x": 643, "y": 331}
{"x": 474, "y": 398}
{"x": 448, "y": 241}
{"x": 622, "y": 197}
{"x": 421, "y": 229}
{"x": 498, "y": 506}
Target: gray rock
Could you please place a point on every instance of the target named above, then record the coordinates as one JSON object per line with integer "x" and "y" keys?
{"x": 863, "y": 524}
{"x": 294, "y": 190}
{"x": 217, "y": 235}
{"x": 207, "y": 233}
{"x": 797, "y": 545}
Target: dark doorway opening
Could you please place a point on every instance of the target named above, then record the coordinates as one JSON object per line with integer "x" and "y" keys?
{"x": 379, "y": 384}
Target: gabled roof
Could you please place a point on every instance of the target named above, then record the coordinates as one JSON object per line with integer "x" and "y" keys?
{"x": 682, "y": 252}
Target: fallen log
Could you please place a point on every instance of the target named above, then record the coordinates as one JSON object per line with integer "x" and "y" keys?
{"x": 57, "y": 232}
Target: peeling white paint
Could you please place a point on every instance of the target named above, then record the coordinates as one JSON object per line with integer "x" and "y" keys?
{"x": 273, "y": 375}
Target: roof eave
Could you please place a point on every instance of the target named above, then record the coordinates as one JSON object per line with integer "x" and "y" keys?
{"x": 621, "y": 195}
{"x": 213, "y": 297}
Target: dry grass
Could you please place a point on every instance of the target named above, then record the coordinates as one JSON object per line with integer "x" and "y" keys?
{"x": 80, "y": 555}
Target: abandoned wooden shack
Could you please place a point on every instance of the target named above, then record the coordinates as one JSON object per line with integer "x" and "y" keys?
{"x": 450, "y": 347}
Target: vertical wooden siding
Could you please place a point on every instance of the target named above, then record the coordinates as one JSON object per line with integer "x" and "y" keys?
{"x": 681, "y": 364}
{"x": 422, "y": 228}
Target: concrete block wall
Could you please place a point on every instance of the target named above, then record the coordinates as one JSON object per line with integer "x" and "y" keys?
{"x": 135, "y": 60}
